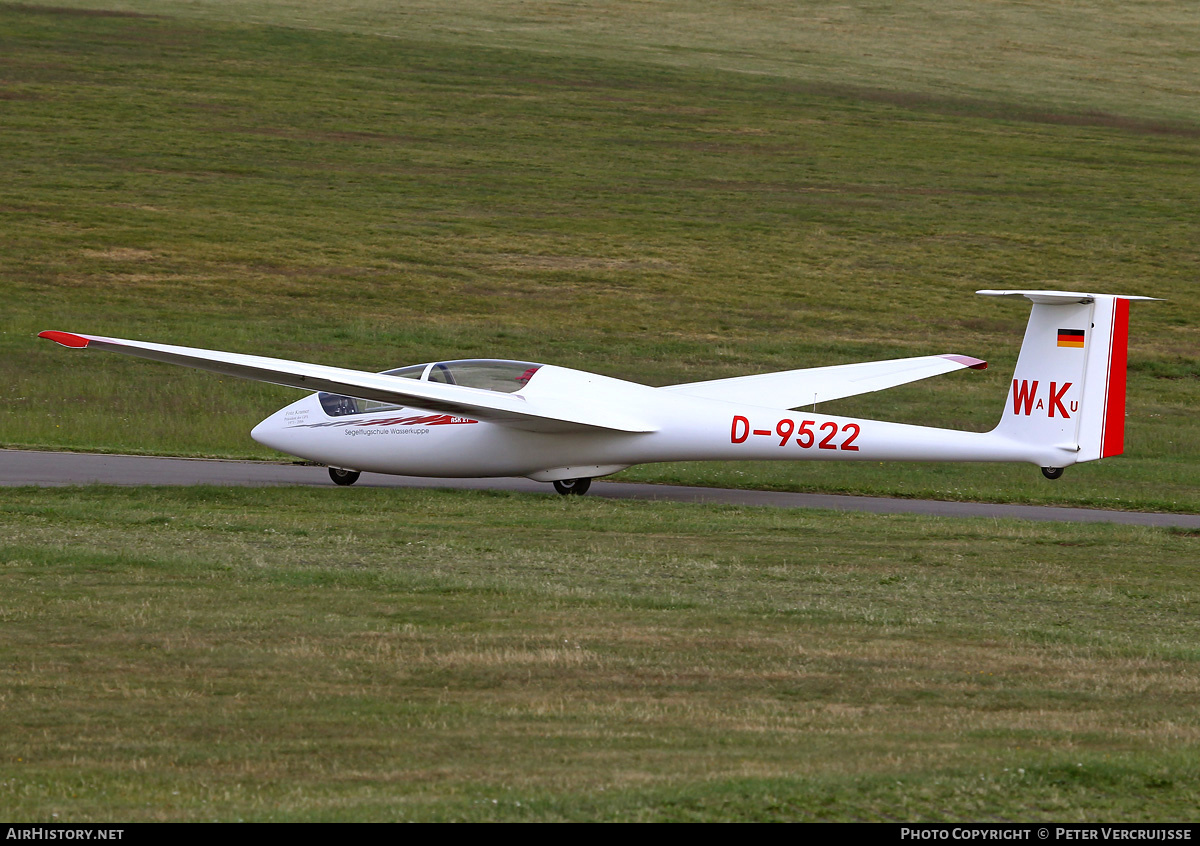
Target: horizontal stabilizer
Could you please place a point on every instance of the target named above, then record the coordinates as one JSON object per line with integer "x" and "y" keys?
{"x": 1058, "y": 297}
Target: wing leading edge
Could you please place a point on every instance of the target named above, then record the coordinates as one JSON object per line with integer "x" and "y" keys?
{"x": 570, "y": 414}
{"x": 796, "y": 388}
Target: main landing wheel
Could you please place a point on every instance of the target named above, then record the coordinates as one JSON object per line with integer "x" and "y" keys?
{"x": 343, "y": 477}
{"x": 577, "y": 487}
{"x": 1052, "y": 472}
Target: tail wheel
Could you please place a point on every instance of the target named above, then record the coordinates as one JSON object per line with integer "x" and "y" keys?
{"x": 1052, "y": 472}
{"x": 576, "y": 487}
{"x": 343, "y": 477}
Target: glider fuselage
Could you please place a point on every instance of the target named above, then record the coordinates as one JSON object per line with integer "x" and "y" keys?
{"x": 417, "y": 442}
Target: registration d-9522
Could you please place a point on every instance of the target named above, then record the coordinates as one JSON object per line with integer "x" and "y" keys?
{"x": 806, "y": 434}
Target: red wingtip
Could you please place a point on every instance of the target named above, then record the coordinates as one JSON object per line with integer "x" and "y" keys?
{"x": 65, "y": 338}
{"x": 967, "y": 361}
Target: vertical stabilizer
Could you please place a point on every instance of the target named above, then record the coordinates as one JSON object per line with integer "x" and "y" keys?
{"x": 1068, "y": 390}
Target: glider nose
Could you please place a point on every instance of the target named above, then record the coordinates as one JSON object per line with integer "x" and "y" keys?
{"x": 290, "y": 429}
{"x": 263, "y": 432}
{"x": 260, "y": 431}
{"x": 272, "y": 433}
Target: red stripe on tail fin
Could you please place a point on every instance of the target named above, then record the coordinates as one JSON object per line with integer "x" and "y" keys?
{"x": 1113, "y": 439}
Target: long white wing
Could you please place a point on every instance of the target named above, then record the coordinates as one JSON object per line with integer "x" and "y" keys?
{"x": 570, "y": 411}
{"x": 797, "y": 388}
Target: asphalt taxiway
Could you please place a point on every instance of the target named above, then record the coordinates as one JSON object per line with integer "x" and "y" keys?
{"x": 22, "y": 467}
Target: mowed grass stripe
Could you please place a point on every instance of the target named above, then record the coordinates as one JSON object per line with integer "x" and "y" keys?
{"x": 285, "y": 654}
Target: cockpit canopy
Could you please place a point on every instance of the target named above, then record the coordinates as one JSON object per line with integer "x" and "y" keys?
{"x": 484, "y": 373}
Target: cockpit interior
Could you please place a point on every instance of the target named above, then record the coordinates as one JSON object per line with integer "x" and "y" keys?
{"x": 486, "y": 374}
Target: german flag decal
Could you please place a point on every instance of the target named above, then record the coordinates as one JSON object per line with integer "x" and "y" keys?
{"x": 1070, "y": 338}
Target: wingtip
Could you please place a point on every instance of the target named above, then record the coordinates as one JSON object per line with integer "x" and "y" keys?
{"x": 967, "y": 361}
{"x": 65, "y": 338}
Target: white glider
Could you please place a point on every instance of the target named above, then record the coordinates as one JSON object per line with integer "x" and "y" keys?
{"x": 490, "y": 418}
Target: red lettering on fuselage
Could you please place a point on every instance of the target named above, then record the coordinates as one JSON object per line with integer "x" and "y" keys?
{"x": 1056, "y": 398}
{"x": 1026, "y": 401}
{"x": 740, "y": 431}
{"x": 1023, "y": 395}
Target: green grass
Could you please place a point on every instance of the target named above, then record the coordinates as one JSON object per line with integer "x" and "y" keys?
{"x": 177, "y": 654}
{"x": 1102, "y": 59}
{"x": 386, "y": 190}
{"x": 662, "y": 192}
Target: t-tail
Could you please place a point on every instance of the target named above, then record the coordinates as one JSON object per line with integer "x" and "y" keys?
{"x": 1068, "y": 391}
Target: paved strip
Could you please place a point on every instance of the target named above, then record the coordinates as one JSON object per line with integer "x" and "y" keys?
{"x": 21, "y": 467}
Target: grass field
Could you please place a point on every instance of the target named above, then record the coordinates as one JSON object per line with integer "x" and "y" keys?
{"x": 663, "y": 192}
{"x": 281, "y": 654}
